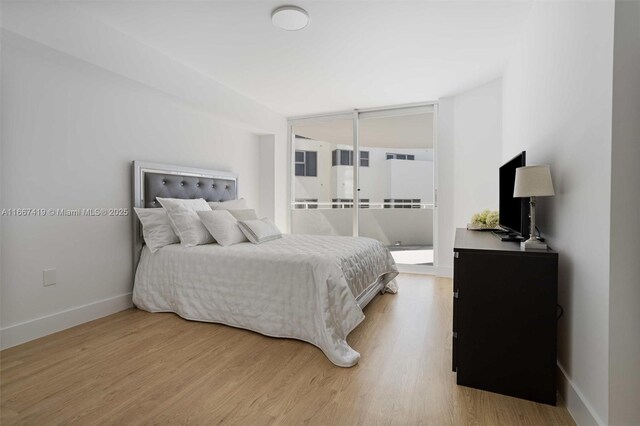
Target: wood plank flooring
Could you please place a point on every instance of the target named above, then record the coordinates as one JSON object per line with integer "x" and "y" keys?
{"x": 136, "y": 367}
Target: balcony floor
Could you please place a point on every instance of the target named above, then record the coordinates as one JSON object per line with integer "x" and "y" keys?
{"x": 412, "y": 255}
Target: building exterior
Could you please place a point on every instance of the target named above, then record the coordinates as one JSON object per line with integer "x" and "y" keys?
{"x": 389, "y": 177}
{"x": 396, "y": 192}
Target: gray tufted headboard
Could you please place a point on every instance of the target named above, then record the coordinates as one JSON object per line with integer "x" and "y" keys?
{"x": 165, "y": 185}
{"x": 152, "y": 180}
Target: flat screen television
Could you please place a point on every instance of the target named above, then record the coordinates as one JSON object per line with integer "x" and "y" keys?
{"x": 514, "y": 212}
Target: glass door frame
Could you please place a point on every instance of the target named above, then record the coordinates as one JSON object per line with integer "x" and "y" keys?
{"x": 355, "y": 115}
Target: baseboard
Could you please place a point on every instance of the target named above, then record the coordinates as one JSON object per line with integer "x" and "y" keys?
{"x": 16, "y": 334}
{"x": 576, "y": 403}
{"x": 417, "y": 269}
{"x": 445, "y": 271}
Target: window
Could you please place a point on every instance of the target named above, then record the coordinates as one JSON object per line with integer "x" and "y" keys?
{"x": 364, "y": 158}
{"x": 306, "y": 163}
{"x": 344, "y": 157}
{"x": 393, "y": 156}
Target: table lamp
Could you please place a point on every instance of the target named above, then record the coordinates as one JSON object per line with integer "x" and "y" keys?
{"x": 533, "y": 181}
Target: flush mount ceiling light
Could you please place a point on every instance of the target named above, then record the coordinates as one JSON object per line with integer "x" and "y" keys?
{"x": 290, "y": 18}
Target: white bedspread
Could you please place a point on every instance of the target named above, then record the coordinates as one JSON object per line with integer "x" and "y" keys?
{"x": 301, "y": 286}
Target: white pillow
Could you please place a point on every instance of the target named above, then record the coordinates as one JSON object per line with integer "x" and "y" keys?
{"x": 260, "y": 231}
{"x": 185, "y": 220}
{"x": 240, "y": 203}
{"x": 156, "y": 228}
{"x": 243, "y": 214}
{"x": 223, "y": 226}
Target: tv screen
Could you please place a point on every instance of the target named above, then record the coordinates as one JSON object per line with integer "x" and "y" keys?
{"x": 514, "y": 212}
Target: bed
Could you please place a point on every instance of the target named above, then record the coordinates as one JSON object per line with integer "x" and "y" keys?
{"x": 306, "y": 287}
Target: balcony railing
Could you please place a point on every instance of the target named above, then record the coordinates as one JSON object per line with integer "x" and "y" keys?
{"x": 301, "y": 205}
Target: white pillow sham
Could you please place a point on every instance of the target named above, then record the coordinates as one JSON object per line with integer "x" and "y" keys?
{"x": 222, "y": 226}
{"x": 243, "y": 214}
{"x": 260, "y": 231}
{"x": 185, "y": 220}
{"x": 156, "y": 228}
{"x": 238, "y": 204}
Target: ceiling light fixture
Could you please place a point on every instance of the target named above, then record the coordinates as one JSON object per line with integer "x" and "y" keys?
{"x": 290, "y": 18}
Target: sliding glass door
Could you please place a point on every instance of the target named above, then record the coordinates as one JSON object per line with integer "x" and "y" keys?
{"x": 367, "y": 173}
{"x": 396, "y": 181}
{"x": 322, "y": 176}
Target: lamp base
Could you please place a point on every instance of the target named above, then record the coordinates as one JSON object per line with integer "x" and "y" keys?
{"x": 533, "y": 244}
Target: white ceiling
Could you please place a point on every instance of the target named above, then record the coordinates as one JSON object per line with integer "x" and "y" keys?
{"x": 404, "y": 131}
{"x": 353, "y": 54}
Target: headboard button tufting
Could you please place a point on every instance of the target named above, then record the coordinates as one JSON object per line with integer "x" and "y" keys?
{"x": 185, "y": 187}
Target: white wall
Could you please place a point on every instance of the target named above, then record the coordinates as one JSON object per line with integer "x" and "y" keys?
{"x": 79, "y": 102}
{"x": 342, "y": 182}
{"x": 477, "y": 150}
{"x": 468, "y": 157}
{"x": 445, "y": 187}
{"x": 624, "y": 312}
{"x": 557, "y": 106}
{"x": 410, "y": 180}
{"x": 266, "y": 201}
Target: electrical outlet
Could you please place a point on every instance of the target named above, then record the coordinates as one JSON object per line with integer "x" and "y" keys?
{"x": 49, "y": 277}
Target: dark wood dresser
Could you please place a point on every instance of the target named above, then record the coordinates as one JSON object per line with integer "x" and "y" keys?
{"x": 504, "y": 317}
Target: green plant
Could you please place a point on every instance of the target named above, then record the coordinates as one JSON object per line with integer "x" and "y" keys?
{"x": 485, "y": 219}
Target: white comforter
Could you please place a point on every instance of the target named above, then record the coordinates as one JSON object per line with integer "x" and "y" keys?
{"x": 301, "y": 286}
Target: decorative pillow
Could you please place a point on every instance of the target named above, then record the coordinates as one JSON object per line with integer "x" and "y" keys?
{"x": 156, "y": 228}
{"x": 223, "y": 226}
{"x": 185, "y": 220}
{"x": 240, "y": 203}
{"x": 260, "y": 231}
{"x": 243, "y": 214}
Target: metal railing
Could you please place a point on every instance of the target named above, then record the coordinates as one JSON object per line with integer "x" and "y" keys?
{"x": 315, "y": 205}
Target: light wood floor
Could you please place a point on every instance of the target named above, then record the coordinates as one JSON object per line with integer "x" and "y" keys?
{"x": 140, "y": 368}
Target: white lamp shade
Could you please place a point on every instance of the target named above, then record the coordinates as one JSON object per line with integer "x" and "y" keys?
{"x": 533, "y": 181}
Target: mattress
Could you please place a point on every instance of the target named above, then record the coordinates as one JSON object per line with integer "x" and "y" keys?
{"x": 301, "y": 286}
